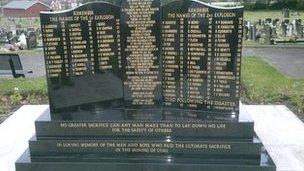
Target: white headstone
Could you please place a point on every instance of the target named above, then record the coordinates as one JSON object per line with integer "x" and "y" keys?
{"x": 22, "y": 39}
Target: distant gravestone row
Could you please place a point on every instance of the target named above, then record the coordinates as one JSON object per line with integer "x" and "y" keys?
{"x": 17, "y": 34}
{"x": 271, "y": 30}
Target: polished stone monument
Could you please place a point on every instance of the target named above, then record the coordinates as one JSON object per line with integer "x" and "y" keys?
{"x": 144, "y": 86}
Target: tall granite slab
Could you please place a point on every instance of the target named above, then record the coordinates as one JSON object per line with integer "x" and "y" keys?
{"x": 201, "y": 57}
{"x": 144, "y": 85}
{"x": 141, "y": 43}
{"x": 83, "y": 60}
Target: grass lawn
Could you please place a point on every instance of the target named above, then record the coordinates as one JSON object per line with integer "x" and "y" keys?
{"x": 263, "y": 14}
{"x": 16, "y": 92}
{"x": 264, "y": 84}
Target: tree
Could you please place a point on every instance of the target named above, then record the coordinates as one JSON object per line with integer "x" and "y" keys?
{"x": 300, "y": 4}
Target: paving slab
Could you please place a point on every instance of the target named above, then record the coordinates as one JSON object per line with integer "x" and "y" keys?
{"x": 282, "y": 133}
{"x": 15, "y": 133}
{"x": 279, "y": 129}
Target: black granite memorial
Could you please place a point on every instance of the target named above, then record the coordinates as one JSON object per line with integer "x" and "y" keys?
{"x": 144, "y": 86}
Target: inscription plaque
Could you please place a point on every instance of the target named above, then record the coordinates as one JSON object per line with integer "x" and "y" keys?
{"x": 144, "y": 85}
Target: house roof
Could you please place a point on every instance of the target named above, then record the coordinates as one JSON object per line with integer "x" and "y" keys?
{"x": 21, "y": 4}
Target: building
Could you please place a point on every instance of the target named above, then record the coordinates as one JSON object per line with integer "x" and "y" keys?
{"x": 24, "y": 8}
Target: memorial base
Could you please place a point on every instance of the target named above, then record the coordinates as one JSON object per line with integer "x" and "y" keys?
{"x": 138, "y": 164}
{"x": 197, "y": 145}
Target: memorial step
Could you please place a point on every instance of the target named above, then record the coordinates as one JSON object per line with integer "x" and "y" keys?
{"x": 25, "y": 163}
{"x": 157, "y": 128}
{"x": 115, "y": 147}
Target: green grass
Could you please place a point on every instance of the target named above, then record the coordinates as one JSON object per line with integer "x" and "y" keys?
{"x": 24, "y": 86}
{"x": 264, "y": 84}
{"x": 263, "y": 14}
{"x": 16, "y": 92}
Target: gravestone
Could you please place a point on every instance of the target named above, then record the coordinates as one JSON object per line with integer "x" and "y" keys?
{"x": 246, "y": 31}
{"x": 250, "y": 31}
{"x": 13, "y": 40}
{"x": 268, "y": 20}
{"x": 286, "y": 12}
{"x": 284, "y": 27}
{"x": 268, "y": 37}
{"x": 22, "y": 40}
{"x": 299, "y": 27}
{"x": 14, "y": 30}
{"x": 274, "y": 31}
{"x": 275, "y": 21}
{"x": 31, "y": 40}
{"x": 253, "y": 32}
{"x": 18, "y": 29}
{"x": 290, "y": 29}
{"x": 3, "y": 36}
{"x": 9, "y": 35}
{"x": 144, "y": 86}
{"x": 300, "y": 31}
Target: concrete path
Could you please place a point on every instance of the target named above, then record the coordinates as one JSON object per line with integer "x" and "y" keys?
{"x": 289, "y": 61}
{"x": 279, "y": 129}
{"x": 33, "y": 63}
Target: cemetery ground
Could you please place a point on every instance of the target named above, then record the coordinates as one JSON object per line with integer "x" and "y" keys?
{"x": 274, "y": 14}
{"x": 261, "y": 84}
{"x": 264, "y": 27}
